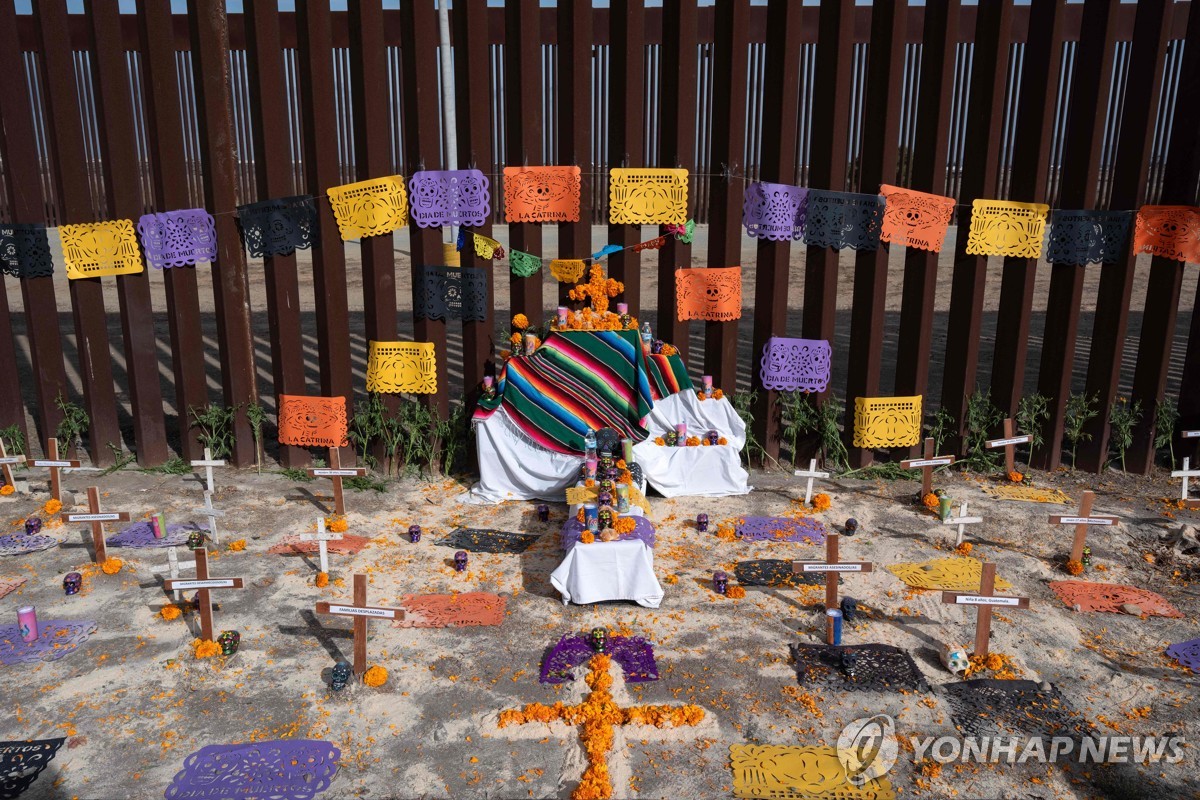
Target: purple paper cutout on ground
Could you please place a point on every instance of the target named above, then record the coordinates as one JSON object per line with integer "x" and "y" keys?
{"x": 796, "y": 364}
{"x": 15, "y": 544}
{"x": 1186, "y": 653}
{"x": 762, "y": 529}
{"x": 570, "y": 533}
{"x": 178, "y": 238}
{"x": 56, "y": 638}
{"x": 141, "y": 535}
{"x": 774, "y": 211}
{"x": 280, "y": 769}
{"x": 633, "y": 653}
{"x": 449, "y": 197}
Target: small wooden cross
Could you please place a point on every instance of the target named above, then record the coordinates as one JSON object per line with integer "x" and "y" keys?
{"x": 984, "y": 600}
{"x": 1184, "y": 473}
{"x": 208, "y": 463}
{"x": 832, "y": 567}
{"x": 172, "y": 568}
{"x": 1082, "y": 522}
{"x": 97, "y": 518}
{"x": 321, "y": 537}
{"x": 204, "y": 584}
{"x": 927, "y": 463}
{"x": 811, "y": 473}
{"x": 54, "y": 464}
{"x": 361, "y": 613}
{"x": 336, "y": 472}
{"x": 1009, "y": 443}
{"x": 212, "y": 514}
{"x": 6, "y": 462}
{"x": 961, "y": 521}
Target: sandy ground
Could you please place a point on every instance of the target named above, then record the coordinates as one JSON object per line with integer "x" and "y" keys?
{"x": 133, "y": 702}
{"x": 649, "y": 284}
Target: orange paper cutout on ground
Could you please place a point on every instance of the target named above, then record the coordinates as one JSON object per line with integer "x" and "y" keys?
{"x": 451, "y": 610}
{"x": 714, "y": 295}
{"x": 312, "y": 421}
{"x": 541, "y": 194}
{"x": 348, "y": 545}
{"x": 1168, "y": 231}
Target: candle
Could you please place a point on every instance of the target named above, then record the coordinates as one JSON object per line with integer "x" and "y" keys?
{"x": 489, "y": 381}
{"x": 591, "y": 467}
{"x": 591, "y": 516}
{"x": 27, "y": 623}
{"x": 627, "y": 451}
{"x": 681, "y": 432}
{"x": 562, "y": 316}
{"x": 622, "y": 308}
{"x": 707, "y": 379}
{"x": 835, "y": 622}
{"x": 623, "y": 498}
{"x": 156, "y": 525}
{"x": 530, "y": 343}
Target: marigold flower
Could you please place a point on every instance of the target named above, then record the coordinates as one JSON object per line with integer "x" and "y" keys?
{"x": 205, "y": 648}
{"x": 718, "y": 394}
{"x": 322, "y": 580}
{"x": 621, "y": 464}
{"x": 624, "y": 525}
{"x": 669, "y": 350}
{"x": 692, "y": 441}
{"x": 701, "y": 396}
{"x": 375, "y": 676}
{"x": 821, "y": 502}
{"x": 964, "y": 549}
{"x": 722, "y": 440}
{"x": 587, "y": 537}
{"x": 506, "y": 354}
{"x": 112, "y": 566}
{"x": 52, "y": 506}
{"x": 520, "y": 322}
{"x": 931, "y": 501}
{"x": 238, "y": 545}
{"x": 170, "y": 612}
{"x": 735, "y": 592}
{"x": 726, "y": 533}
{"x": 658, "y": 440}
{"x": 7, "y": 489}
{"x": 1015, "y": 476}
{"x": 336, "y": 524}
{"x": 1074, "y": 567}
{"x": 515, "y": 339}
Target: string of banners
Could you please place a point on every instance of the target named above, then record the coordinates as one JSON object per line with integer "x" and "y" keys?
{"x": 649, "y": 196}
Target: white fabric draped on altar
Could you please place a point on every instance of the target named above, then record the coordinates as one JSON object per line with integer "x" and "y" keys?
{"x": 622, "y": 570}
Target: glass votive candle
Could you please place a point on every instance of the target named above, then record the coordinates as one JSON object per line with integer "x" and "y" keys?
{"x": 27, "y": 623}
{"x": 623, "y": 498}
{"x": 591, "y": 517}
{"x": 562, "y": 316}
{"x": 622, "y": 308}
{"x": 681, "y": 433}
{"x": 707, "y": 381}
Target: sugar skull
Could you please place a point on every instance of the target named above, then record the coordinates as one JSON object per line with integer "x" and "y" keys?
{"x": 702, "y": 523}
{"x": 851, "y": 526}
{"x": 720, "y": 582}
{"x": 195, "y": 540}
{"x": 599, "y": 639}
{"x": 607, "y": 518}
{"x": 713, "y": 437}
{"x": 460, "y": 561}
{"x": 72, "y": 583}
{"x": 339, "y": 676}
{"x": 543, "y": 512}
{"x": 414, "y": 533}
{"x": 955, "y": 659}
{"x": 229, "y": 641}
{"x": 33, "y": 525}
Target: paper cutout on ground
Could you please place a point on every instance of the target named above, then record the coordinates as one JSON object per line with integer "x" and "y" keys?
{"x": 348, "y": 545}
{"x": 1028, "y": 494}
{"x": 780, "y": 529}
{"x": 955, "y": 574}
{"x": 523, "y": 264}
{"x": 1109, "y": 597}
{"x": 281, "y": 769}
{"x": 486, "y": 540}
{"x": 887, "y": 421}
{"x": 541, "y": 194}
{"x": 25, "y": 251}
{"x": 915, "y": 219}
{"x": 451, "y": 293}
{"x": 312, "y": 421}
{"x": 279, "y": 227}
{"x": 774, "y": 211}
{"x": 785, "y": 771}
{"x": 861, "y": 667}
{"x": 991, "y": 706}
{"x": 141, "y": 535}
{"x": 22, "y": 762}
{"x": 1168, "y": 231}
{"x": 647, "y": 196}
{"x": 450, "y": 197}
{"x": 633, "y": 653}
{"x": 714, "y": 294}
{"x": 567, "y": 270}
{"x": 15, "y": 544}
{"x": 96, "y": 249}
{"x": 56, "y": 638}
{"x": 10, "y": 585}
{"x": 1007, "y": 228}
{"x": 178, "y": 238}
{"x": 395, "y": 367}
{"x": 369, "y": 208}
{"x": 1186, "y": 653}
{"x": 468, "y": 609}
{"x": 1087, "y": 237}
{"x": 775, "y": 572}
{"x": 573, "y": 530}
{"x": 843, "y": 219}
{"x": 801, "y": 365}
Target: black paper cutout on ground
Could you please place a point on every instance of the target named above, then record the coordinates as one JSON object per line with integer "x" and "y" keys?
{"x": 22, "y": 762}
{"x": 775, "y": 572}
{"x": 487, "y": 540}
{"x": 861, "y": 667}
{"x": 988, "y": 706}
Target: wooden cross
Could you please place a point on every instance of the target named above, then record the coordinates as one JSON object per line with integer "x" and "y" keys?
{"x": 6, "y": 462}
{"x": 54, "y": 464}
{"x": 208, "y": 463}
{"x": 1184, "y": 473}
{"x": 172, "y": 568}
{"x": 336, "y": 472}
{"x": 984, "y": 600}
{"x": 832, "y": 567}
{"x": 810, "y": 473}
{"x": 1082, "y": 522}
{"x": 204, "y": 584}
{"x": 961, "y": 521}
{"x": 361, "y": 613}
{"x": 97, "y": 518}
{"x": 321, "y": 537}
{"x": 212, "y": 514}
{"x": 927, "y": 463}
{"x": 1009, "y": 443}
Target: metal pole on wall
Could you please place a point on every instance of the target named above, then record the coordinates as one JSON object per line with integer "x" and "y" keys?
{"x": 448, "y": 112}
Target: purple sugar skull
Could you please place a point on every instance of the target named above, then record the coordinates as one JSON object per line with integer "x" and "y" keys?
{"x": 656, "y": 347}
{"x": 851, "y": 526}
{"x": 543, "y": 512}
{"x": 605, "y": 498}
{"x": 713, "y": 437}
{"x": 460, "y": 561}
{"x": 720, "y": 582}
{"x": 72, "y": 583}
{"x": 33, "y": 525}
{"x": 414, "y": 533}
{"x": 702, "y": 523}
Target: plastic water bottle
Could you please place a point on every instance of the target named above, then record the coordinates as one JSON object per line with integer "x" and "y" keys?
{"x": 647, "y": 334}
{"x": 589, "y": 443}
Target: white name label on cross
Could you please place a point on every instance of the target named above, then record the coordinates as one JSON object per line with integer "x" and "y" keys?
{"x": 41, "y": 463}
{"x": 926, "y": 464}
{"x": 212, "y": 583}
{"x": 335, "y": 472}
{"x": 1081, "y": 522}
{"x": 811, "y": 473}
{"x": 820, "y": 567}
{"x": 1013, "y": 440}
{"x": 1087, "y": 521}
{"x": 362, "y": 614}
{"x": 109, "y": 517}
{"x": 980, "y": 600}
{"x": 984, "y": 600}
{"x": 12, "y": 460}
{"x": 325, "y": 472}
{"x": 365, "y": 611}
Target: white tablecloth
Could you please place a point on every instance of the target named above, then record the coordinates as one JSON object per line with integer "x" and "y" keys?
{"x": 701, "y": 416}
{"x": 622, "y": 570}
{"x": 693, "y": 471}
{"x": 513, "y": 468}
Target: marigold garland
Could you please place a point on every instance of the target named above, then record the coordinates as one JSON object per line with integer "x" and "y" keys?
{"x": 598, "y": 289}
{"x": 238, "y": 545}
{"x": 205, "y": 648}
{"x": 7, "y": 489}
{"x": 52, "y": 506}
{"x": 821, "y": 502}
{"x": 170, "y": 612}
{"x": 375, "y": 676}
{"x": 112, "y": 565}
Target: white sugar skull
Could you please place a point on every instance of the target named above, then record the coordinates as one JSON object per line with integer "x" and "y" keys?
{"x": 955, "y": 659}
